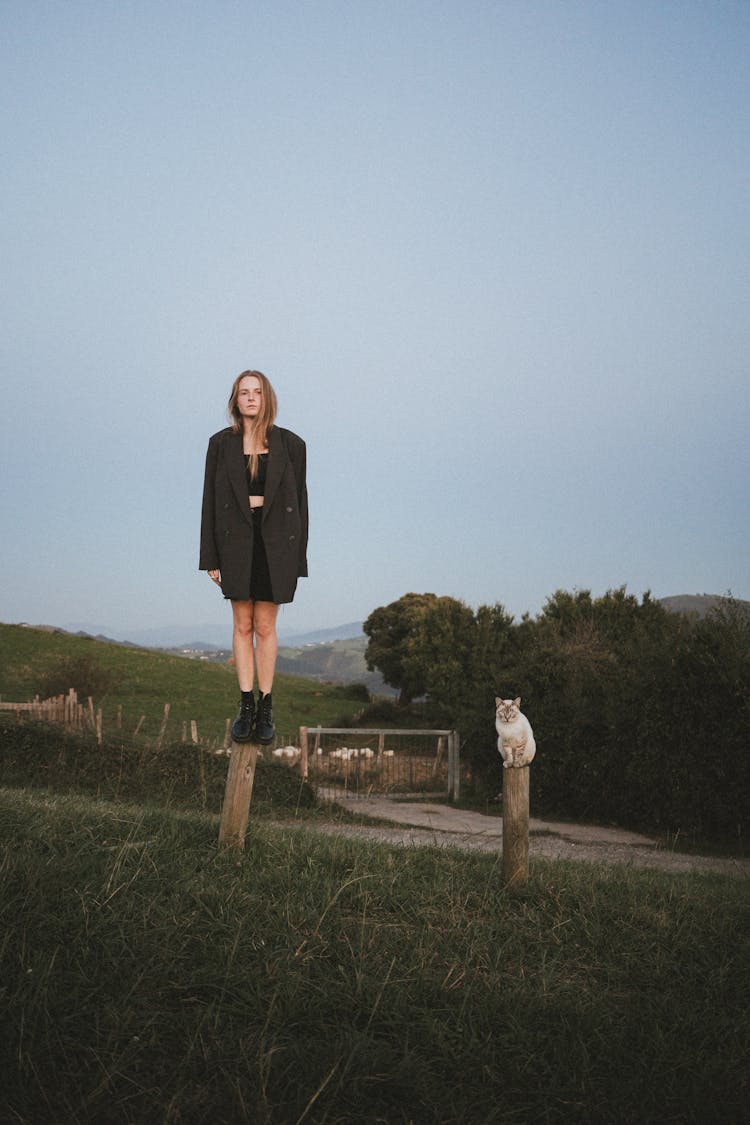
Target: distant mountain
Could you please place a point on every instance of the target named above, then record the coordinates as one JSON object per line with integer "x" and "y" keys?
{"x": 202, "y": 637}
{"x": 700, "y": 605}
{"x": 166, "y": 636}
{"x": 320, "y": 636}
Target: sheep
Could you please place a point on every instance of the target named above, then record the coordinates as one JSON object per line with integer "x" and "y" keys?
{"x": 286, "y": 752}
{"x": 350, "y": 753}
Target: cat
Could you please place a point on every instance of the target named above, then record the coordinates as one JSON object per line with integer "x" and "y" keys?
{"x": 515, "y": 738}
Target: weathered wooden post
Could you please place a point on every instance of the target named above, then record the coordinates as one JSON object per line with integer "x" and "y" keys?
{"x": 303, "y": 759}
{"x": 235, "y": 811}
{"x": 163, "y": 727}
{"x": 454, "y": 779}
{"x": 516, "y": 826}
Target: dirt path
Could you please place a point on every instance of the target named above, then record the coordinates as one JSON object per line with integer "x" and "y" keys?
{"x": 418, "y": 824}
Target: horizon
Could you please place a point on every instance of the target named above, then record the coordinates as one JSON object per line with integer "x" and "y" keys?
{"x": 192, "y": 632}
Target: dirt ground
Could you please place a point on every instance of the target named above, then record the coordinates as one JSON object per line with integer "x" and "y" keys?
{"x": 415, "y": 824}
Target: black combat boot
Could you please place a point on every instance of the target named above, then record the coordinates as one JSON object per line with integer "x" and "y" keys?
{"x": 242, "y": 727}
{"x": 264, "y": 729}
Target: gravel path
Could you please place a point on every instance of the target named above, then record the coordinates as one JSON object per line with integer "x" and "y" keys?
{"x": 418, "y": 824}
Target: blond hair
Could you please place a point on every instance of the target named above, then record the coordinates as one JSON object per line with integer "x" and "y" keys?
{"x": 263, "y": 423}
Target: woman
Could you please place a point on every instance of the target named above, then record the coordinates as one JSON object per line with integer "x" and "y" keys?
{"x": 254, "y": 537}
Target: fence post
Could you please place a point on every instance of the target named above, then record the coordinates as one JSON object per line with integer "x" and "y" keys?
{"x": 438, "y": 755}
{"x": 516, "y": 825}
{"x": 235, "y": 811}
{"x": 163, "y": 727}
{"x": 454, "y": 783}
{"x": 303, "y": 763}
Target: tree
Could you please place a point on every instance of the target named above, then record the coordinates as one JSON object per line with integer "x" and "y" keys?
{"x": 392, "y": 630}
{"x": 443, "y": 647}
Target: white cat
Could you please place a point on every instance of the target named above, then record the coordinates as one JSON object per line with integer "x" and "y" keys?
{"x": 515, "y": 738}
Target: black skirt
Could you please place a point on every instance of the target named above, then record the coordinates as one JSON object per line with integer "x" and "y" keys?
{"x": 260, "y": 578}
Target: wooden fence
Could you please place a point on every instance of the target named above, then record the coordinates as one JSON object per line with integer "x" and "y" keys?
{"x": 64, "y": 709}
{"x": 70, "y": 712}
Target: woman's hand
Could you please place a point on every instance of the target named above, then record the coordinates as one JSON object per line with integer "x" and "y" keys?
{"x": 215, "y": 576}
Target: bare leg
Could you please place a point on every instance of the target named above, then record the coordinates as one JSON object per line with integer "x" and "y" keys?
{"x": 266, "y": 643}
{"x": 242, "y": 643}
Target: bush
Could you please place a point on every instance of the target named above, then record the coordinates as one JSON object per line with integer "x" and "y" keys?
{"x": 82, "y": 673}
{"x": 641, "y": 716}
{"x": 179, "y": 774}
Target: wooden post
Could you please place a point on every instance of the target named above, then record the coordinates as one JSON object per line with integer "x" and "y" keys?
{"x": 235, "y": 811}
{"x": 454, "y": 783}
{"x": 193, "y": 731}
{"x": 515, "y": 825}
{"x": 438, "y": 755}
{"x": 303, "y": 762}
{"x": 163, "y": 727}
{"x": 68, "y": 708}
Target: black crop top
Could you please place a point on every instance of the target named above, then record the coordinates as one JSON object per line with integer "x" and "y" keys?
{"x": 257, "y": 487}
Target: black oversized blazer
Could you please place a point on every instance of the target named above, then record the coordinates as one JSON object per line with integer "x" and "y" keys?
{"x": 227, "y": 523}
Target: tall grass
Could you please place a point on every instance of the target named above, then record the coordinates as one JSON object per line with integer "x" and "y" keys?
{"x": 148, "y": 977}
{"x": 176, "y": 774}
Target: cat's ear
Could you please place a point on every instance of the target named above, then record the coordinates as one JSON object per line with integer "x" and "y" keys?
{"x": 498, "y": 700}
{"x": 517, "y": 702}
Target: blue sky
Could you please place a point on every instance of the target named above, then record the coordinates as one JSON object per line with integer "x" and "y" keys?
{"x": 493, "y": 256}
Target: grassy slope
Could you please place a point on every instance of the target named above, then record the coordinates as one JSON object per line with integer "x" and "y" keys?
{"x": 338, "y": 661}
{"x": 196, "y": 690}
{"x": 150, "y": 978}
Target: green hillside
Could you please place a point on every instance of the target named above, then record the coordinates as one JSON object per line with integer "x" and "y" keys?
{"x": 141, "y": 681}
{"x": 340, "y": 661}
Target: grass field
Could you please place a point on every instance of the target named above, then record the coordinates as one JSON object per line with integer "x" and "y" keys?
{"x": 146, "y": 976}
{"x": 144, "y": 680}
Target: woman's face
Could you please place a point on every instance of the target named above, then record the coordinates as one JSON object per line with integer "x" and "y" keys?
{"x": 249, "y": 396}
